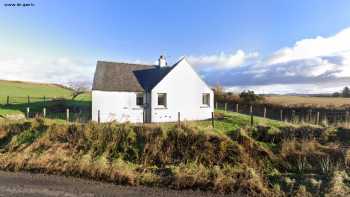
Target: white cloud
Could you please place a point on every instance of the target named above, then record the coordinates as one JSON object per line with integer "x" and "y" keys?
{"x": 304, "y": 67}
{"x": 314, "y": 47}
{"x": 222, "y": 60}
{"x": 55, "y": 70}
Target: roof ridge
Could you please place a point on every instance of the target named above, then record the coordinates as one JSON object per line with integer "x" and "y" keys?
{"x": 119, "y": 62}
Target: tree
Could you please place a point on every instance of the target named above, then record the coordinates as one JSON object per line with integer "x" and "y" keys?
{"x": 78, "y": 87}
{"x": 336, "y": 94}
{"x": 249, "y": 97}
{"x": 346, "y": 92}
{"x": 218, "y": 92}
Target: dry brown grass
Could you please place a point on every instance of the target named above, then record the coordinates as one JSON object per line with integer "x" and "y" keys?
{"x": 338, "y": 185}
{"x": 183, "y": 157}
{"x": 326, "y": 102}
{"x": 311, "y": 156}
{"x": 290, "y": 161}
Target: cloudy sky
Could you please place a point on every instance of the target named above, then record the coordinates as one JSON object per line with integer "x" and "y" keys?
{"x": 267, "y": 46}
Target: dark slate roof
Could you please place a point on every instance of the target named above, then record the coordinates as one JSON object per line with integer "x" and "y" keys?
{"x": 113, "y": 76}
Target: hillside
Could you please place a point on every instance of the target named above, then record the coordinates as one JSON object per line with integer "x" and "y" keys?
{"x": 18, "y": 93}
{"x": 23, "y": 89}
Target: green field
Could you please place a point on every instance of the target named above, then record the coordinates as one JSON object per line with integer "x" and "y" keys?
{"x": 24, "y": 89}
{"x": 55, "y": 96}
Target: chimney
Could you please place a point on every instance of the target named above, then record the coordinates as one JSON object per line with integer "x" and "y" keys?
{"x": 161, "y": 61}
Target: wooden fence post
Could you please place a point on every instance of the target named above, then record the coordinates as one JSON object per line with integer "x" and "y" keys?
{"x": 251, "y": 116}
{"x": 28, "y": 100}
{"x": 347, "y": 118}
{"x": 216, "y": 105}
{"x": 44, "y": 101}
{"x": 98, "y": 116}
{"x": 325, "y": 119}
{"x": 310, "y": 111}
{"x": 318, "y": 118}
{"x": 67, "y": 114}
{"x": 335, "y": 118}
{"x": 28, "y": 112}
{"x": 178, "y": 119}
{"x": 8, "y": 100}
{"x": 212, "y": 119}
{"x": 225, "y": 107}
{"x": 293, "y": 116}
{"x": 44, "y": 112}
{"x": 264, "y": 112}
{"x": 143, "y": 116}
{"x": 281, "y": 114}
{"x": 237, "y": 108}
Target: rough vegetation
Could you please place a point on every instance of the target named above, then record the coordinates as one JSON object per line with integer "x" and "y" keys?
{"x": 266, "y": 160}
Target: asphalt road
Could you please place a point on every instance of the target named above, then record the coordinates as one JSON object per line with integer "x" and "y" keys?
{"x": 27, "y": 184}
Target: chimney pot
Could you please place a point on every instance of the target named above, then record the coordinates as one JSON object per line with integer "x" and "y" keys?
{"x": 161, "y": 61}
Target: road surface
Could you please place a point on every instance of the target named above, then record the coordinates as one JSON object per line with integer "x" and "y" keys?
{"x": 27, "y": 184}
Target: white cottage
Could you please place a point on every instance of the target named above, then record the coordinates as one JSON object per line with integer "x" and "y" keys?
{"x": 149, "y": 93}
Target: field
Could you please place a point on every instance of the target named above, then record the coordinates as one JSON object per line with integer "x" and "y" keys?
{"x": 57, "y": 97}
{"x": 308, "y": 101}
{"x": 24, "y": 89}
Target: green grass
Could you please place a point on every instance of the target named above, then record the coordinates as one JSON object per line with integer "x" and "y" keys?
{"x": 230, "y": 123}
{"x": 19, "y": 91}
{"x": 233, "y": 121}
{"x": 24, "y": 89}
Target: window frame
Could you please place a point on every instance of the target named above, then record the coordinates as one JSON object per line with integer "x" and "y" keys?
{"x": 165, "y": 99}
{"x": 206, "y": 97}
{"x": 138, "y": 95}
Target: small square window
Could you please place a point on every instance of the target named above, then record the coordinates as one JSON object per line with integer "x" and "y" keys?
{"x": 206, "y": 99}
{"x": 139, "y": 99}
{"x": 162, "y": 99}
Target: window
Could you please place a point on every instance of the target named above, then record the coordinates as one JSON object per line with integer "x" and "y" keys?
{"x": 162, "y": 99}
{"x": 206, "y": 99}
{"x": 139, "y": 99}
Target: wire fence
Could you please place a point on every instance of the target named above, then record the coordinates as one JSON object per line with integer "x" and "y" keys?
{"x": 81, "y": 117}
{"x": 13, "y": 100}
{"x": 80, "y": 111}
{"x": 319, "y": 116}
{"x": 49, "y": 107}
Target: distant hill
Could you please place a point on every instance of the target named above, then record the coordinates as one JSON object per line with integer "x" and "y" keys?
{"x": 300, "y": 94}
{"x": 23, "y": 89}
{"x": 18, "y": 92}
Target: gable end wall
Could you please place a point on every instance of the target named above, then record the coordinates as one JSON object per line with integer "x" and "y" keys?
{"x": 184, "y": 90}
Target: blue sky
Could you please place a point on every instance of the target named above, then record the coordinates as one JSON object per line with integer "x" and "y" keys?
{"x": 239, "y": 44}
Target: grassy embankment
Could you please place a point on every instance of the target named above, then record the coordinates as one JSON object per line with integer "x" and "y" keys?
{"x": 19, "y": 91}
{"x": 272, "y": 159}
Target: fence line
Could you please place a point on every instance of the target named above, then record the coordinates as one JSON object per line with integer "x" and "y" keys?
{"x": 9, "y": 100}
{"x": 293, "y": 115}
{"x": 67, "y": 115}
{"x": 83, "y": 114}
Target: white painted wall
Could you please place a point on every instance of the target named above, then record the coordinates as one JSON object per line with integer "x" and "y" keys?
{"x": 184, "y": 90}
{"x": 116, "y": 106}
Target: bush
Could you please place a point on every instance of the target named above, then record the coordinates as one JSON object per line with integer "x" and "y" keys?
{"x": 249, "y": 97}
